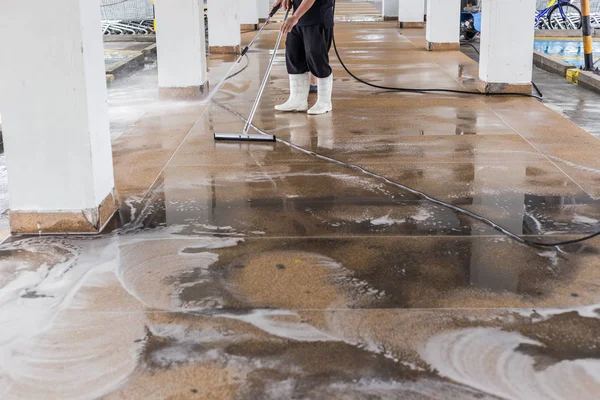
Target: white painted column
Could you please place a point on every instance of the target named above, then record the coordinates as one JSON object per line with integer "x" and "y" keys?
{"x": 264, "y": 7}
{"x": 506, "y": 41}
{"x": 411, "y": 14}
{"x": 181, "y": 48}
{"x": 443, "y": 25}
{"x": 248, "y": 14}
{"x": 390, "y": 9}
{"x": 224, "y": 26}
{"x": 55, "y": 116}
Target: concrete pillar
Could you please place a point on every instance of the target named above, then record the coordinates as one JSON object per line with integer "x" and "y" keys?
{"x": 506, "y": 41}
{"x": 411, "y": 14}
{"x": 264, "y": 7}
{"x": 443, "y": 25}
{"x": 390, "y": 10}
{"x": 55, "y": 117}
{"x": 224, "y": 26}
{"x": 181, "y": 48}
{"x": 248, "y": 15}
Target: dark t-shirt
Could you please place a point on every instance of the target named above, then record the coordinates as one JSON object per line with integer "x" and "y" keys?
{"x": 320, "y": 13}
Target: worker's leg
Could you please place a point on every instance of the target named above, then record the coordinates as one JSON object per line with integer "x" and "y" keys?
{"x": 297, "y": 67}
{"x": 317, "y": 41}
{"x": 313, "y": 83}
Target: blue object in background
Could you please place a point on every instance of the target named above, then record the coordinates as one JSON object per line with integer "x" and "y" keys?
{"x": 477, "y": 21}
{"x": 571, "y": 51}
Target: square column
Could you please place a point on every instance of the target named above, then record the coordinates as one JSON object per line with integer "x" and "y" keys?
{"x": 181, "y": 48}
{"x": 264, "y": 7}
{"x": 55, "y": 117}
{"x": 224, "y": 26}
{"x": 507, "y": 38}
{"x": 248, "y": 15}
{"x": 443, "y": 25}
{"x": 411, "y": 13}
{"x": 390, "y": 10}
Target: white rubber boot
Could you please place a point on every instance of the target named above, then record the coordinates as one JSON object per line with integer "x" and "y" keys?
{"x": 323, "y": 104}
{"x": 299, "y": 87}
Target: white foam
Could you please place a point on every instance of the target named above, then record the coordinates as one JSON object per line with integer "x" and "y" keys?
{"x": 267, "y": 321}
{"x": 405, "y": 389}
{"x": 386, "y": 220}
{"x": 33, "y": 330}
{"x": 423, "y": 215}
{"x": 486, "y": 359}
{"x": 585, "y": 220}
{"x": 551, "y": 255}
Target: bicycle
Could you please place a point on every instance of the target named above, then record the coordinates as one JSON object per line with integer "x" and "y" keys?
{"x": 559, "y": 14}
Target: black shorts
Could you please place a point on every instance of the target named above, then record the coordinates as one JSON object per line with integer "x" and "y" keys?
{"x": 307, "y": 50}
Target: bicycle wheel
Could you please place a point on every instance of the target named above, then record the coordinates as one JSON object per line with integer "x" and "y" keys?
{"x": 565, "y": 16}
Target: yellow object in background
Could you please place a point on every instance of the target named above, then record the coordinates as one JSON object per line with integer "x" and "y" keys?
{"x": 154, "y": 21}
{"x": 588, "y": 31}
{"x": 573, "y": 75}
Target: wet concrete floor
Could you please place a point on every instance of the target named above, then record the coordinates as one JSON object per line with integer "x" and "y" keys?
{"x": 257, "y": 271}
{"x": 580, "y": 105}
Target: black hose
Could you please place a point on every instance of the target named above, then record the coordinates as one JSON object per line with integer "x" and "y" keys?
{"x": 470, "y": 44}
{"x": 537, "y": 89}
{"x": 424, "y": 196}
{"x": 416, "y": 90}
{"x": 241, "y": 69}
{"x": 247, "y": 48}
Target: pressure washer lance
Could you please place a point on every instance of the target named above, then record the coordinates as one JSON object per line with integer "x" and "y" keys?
{"x": 267, "y": 22}
{"x": 245, "y": 50}
{"x": 256, "y": 137}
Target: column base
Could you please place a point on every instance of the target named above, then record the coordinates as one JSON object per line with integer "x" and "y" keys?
{"x": 411, "y": 25}
{"x": 183, "y": 93}
{"x": 91, "y": 221}
{"x": 431, "y": 46}
{"x": 390, "y": 18}
{"x": 225, "y": 49}
{"x": 586, "y": 79}
{"x": 486, "y": 87}
{"x": 248, "y": 27}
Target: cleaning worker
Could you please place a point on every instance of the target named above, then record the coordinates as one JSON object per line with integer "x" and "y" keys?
{"x": 309, "y": 37}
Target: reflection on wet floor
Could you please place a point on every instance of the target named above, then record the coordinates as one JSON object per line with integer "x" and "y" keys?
{"x": 301, "y": 200}
{"x": 257, "y": 271}
{"x": 574, "y": 102}
{"x": 368, "y": 273}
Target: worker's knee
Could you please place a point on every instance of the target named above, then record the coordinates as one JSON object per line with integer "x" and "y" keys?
{"x": 319, "y": 65}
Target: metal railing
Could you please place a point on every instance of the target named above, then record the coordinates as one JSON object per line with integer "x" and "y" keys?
{"x": 122, "y": 17}
{"x": 127, "y": 17}
{"x": 126, "y": 10}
